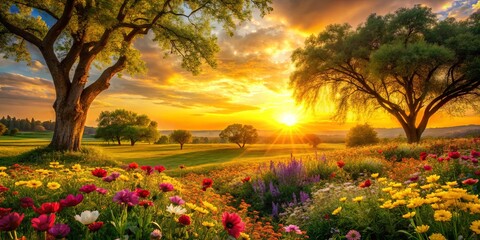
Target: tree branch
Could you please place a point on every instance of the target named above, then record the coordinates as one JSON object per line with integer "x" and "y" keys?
{"x": 60, "y": 25}
{"x": 20, "y": 32}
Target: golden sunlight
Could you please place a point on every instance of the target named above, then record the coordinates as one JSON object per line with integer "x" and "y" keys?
{"x": 288, "y": 119}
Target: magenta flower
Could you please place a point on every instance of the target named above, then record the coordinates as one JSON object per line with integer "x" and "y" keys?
{"x": 112, "y": 177}
{"x": 353, "y": 235}
{"x": 26, "y": 202}
{"x": 166, "y": 187}
{"x": 71, "y": 201}
{"x": 43, "y": 222}
{"x": 148, "y": 169}
{"x": 59, "y": 230}
{"x": 293, "y": 228}
{"x": 88, "y": 188}
{"x": 126, "y": 197}
{"x": 11, "y": 221}
{"x": 102, "y": 191}
{"x": 177, "y": 200}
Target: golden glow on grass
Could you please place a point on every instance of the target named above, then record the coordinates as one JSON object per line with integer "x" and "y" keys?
{"x": 288, "y": 119}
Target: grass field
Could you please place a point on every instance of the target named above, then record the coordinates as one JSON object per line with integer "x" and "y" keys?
{"x": 169, "y": 155}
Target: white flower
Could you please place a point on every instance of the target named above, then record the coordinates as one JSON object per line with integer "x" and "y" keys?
{"x": 177, "y": 210}
{"x": 87, "y": 217}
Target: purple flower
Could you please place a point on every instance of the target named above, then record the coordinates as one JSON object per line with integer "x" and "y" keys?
{"x": 274, "y": 209}
{"x": 102, "y": 191}
{"x": 166, "y": 187}
{"x": 177, "y": 200}
{"x": 293, "y": 228}
{"x": 353, "y": 235}
{"x": 126, "y": 197}
{"x": 274, "y": 190}
{"x": 59, "y": 230}
{"x": 304, "y": 197}
{"x": 88, "y": 188}
{"x": 71, "y": 201}
{"x": 112, "y": 177}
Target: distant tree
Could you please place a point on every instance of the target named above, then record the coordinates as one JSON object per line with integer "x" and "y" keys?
{"x": 361, "y": 135}
{"x": 39, "y": 128}
{"x": 240, "y": 134}
{"x": 181, "y": 137}
{"x": 152, "y": 134}
{"x": 162, "y": 140}
{"x": 408, "y": 63}
{"x": 32, "y": 124}
{"x": 312, "y": 140}
{"x": 14, "y": 132}
{"x": 3, "y": 129}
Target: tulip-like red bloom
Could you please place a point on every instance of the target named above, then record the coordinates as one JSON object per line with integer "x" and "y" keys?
{"x": 454, "y": 155}
{"x": 143, "y": 193}
{"x": 126, "y": 197}
{"x": 233, "y": 224}
{"x": 4, "y": 211}
{"x": 71, "y": 201}
{"x": 166, "y": 187}
{"x": 47, "y": 208}
{"x": 427, "y": 168}
{"x": 88, "y": 188}
{"x": 133, "y": 165}
{"x": 99, "y": 172}
{"x": 246, "y": 179}
{"x": 26, "y": 202}
{"x": 102, "y": 191}
{"x": 340, "y": 164}
{"x": 423, "y": 155}
{"x": 365, "y": 184}
{"x": 11, "y": 221}
{"x": 184, "y": 220}
{"x": 3, "y": 189}
{"x": 148, "y": 169}
{"x": 95, "y": 226}
{"x": 145, "y": 203}
{"x": 475, "y": 153}
{"x": 160, "y": 168}
{"x": 206, "y": 183}
{"x": 43, "y": 222}
{"x": 470, "y": 181}
{"x": 59, "y": 230}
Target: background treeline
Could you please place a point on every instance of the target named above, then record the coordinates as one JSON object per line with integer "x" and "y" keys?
{"x": 31, "y": 125}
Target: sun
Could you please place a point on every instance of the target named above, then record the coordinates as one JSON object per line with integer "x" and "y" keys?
{"x": 288, "y": 119}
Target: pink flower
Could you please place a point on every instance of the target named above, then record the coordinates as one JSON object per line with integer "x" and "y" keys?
{"x": 88, "y": 188}
{"x": 166, "y": 187}
{"x": 177, "y": 200}
{"x": 43, "y": 222}
{"x": 47, "y": 208}
{"x": 293, "y": 228}
{"x": 233, "y": 224}
{"x": 10, "y": 221}
{"x": 353, "y": 235}
{"x": 71, "y": 201}
{"x": 427, "y": 168}
{"x": 102, "y": 191}
{"x": 126, "y": 197}
{"x": 454, "y": 155}
{"x": 470, "y": 181}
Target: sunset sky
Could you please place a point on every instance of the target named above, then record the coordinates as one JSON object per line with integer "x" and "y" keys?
{"x": 249, "y": 85}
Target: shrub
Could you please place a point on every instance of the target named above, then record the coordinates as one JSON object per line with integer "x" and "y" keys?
{"x": 361, "y": 135}
{"x": 14, "y": 132}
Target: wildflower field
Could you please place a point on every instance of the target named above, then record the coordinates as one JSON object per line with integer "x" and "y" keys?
{"x": 389, "y": 191}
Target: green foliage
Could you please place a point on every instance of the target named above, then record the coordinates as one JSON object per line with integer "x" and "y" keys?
{"x": 162, "y": 140}
{"x": 3, "y": 129}
{"x": 181, "y": 137}
{"x": 403, "y": 151}
{"x": 361, "y": 135}
{"x": 240, "y": 134}
{"x": 14, "y": 132}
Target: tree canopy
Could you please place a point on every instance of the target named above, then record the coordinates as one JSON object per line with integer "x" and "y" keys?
{"x": 312, "y": 139}
{"x": 240, "y": 134}
{"x": 407, "y": 63}
{"x": 361, "y": 135}
{"x": 181, "y": 137}
{"x": 72, "y": 36}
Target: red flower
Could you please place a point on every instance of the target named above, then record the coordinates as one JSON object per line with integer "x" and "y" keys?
{"x": 4, "y": 211}
{"x": 184, "y": 220}
{"x": 10, "y": 221}
{"x": 206, "y": 183}
{"x": 454, "y": 155}
{"x": 132, "y": 165}
{"x": 340, "y": 163}
{"x": 143, "y": 193}
{"x": 3, "y": 189}
{"x": 365, "y": 184}
{"x": 26, "y": 202}
{"x": 145, "y": 203}
{"x": 43, "y": 222}
{"x": 160, "y": 168}
{"x": 440, "y": 159}
{"x": 233, "y": 224}
{"x": 470, "y": 181}
{"x": 99, "y": 172}
{"x": 380, "y": 151}
{"x": 95, "y": 226}
{"x": 423, "y": 155}
{"x": 332, "y": 175}
{"x": 477, "y": 172}
{"x": 427, "y": 168}
{"x": 71, "y": 201}
{"x": 88, "y": 188}
{"x": 148, "y": 169}
{"x": 47, "y": 208}
{"x": 326, "y": 216}
{"x": 475, "y": 153}
{"x": 247, "y": 179}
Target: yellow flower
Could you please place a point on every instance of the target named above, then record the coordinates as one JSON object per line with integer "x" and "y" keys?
{"x": 382, "y": 179}
{"x": 34, "y": 184}
{"x": 343, "y": 199}
{"x": 475, "y": 227}
{"x": 387, "y": 205}
{"x": 442, "y": 215}
{"x": 86, "y": 180}
{"x": 21, "y": 183}
{"x": 210, "y": 206}
{"x": 3, "y": 168}
{"x": 53, "y": 185}
{"x": 437, "y": 236}
{"x": 387, "y": 189}
{"x": 244, "y": 236}
{"x": 357, "y": 199}
{"x": 409, "y": 215}
{"x": 427, "y": 186}
{"x": 337, "y": 211}
{"x": 124, "y": 178}
{"x": 208, "y": 224}
{"x": 422, "y": 229}
{"x": 412, "y": 185}
{"x": 77, "y": 168}
{"x": 374, "y": 175}
{"x": 201, "y": 210}
{"x": 415, "y": 202}
{"x": 191, "y": 205}
{"x": 433, "y": 178}
{"x": 138, "y": 176}
{"x": 3, "y": 174}
{"x": 452, "y": 184}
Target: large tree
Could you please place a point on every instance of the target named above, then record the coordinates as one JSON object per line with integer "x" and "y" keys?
{"x": 239, "y": 134}
{"x": 74, "y": 35}
{"x": 181, "y": 137}
{"x": 408, "y": 63}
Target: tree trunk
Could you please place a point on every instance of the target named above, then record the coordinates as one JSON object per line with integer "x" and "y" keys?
{"x": 413, "y": 133}
{"x": 181, "y": 146}
{"x": 69, "y": 127}
{"x": 132, "y": 142}
{"x": 119, "y": 141}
